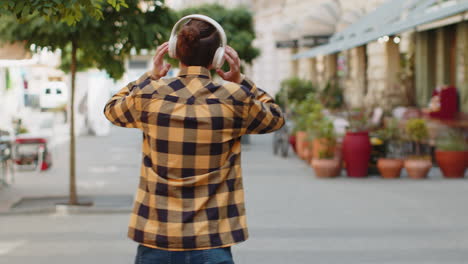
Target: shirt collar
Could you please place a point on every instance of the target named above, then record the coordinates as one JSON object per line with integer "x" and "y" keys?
{"x": 198, "y": 71}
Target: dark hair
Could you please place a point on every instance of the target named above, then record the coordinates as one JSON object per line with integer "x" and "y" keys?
{"x": 197, "y": 43}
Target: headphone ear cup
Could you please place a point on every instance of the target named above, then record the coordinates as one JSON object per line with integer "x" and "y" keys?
{"x": 173, "y": 47}
{"x": 218, "y": 58}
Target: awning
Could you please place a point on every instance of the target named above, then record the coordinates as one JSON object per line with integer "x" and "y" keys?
{"x": 299, "y": 22}
{"x": 393, "y": 17}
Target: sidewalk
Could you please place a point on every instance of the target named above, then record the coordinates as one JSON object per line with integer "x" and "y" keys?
{"x": 106, "y": 166}
{"x": 293, "y": 217}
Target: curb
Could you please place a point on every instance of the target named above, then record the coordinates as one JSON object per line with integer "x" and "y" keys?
{"x": 74, "y": 210}
{"x": 58, "y": 205}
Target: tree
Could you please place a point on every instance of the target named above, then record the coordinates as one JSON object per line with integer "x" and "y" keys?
{"x": 236, "y": 22}
{"x": 58, "y": 10}
{"x": 104, "y": 44}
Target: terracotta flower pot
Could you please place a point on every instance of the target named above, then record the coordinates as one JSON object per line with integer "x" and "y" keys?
{"x": 390, "y": 168}
{"x": 356, "y": 153}
{"x": 326, "y": 168}
{"x": 307, "y": 153}
{"x": 452, "y": 163}
{"x": 418, "y": 169}
{"x": 320, "y": 145}
{"x": 301, "y": 143}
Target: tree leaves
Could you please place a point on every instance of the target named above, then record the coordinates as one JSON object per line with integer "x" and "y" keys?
{"x": 104, "y": 44}
{"x": 69, "y": 11}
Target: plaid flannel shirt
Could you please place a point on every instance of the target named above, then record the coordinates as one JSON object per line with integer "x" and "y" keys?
{"x": 190, "y": 194}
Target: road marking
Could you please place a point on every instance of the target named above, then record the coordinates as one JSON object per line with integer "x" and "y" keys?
{"x": 7, "y": 247}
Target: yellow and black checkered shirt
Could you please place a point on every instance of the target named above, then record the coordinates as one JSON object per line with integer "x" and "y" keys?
{"x": 190, "y": 194}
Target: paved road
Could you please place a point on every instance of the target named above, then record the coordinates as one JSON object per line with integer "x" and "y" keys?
{"x": 293, "y": 217}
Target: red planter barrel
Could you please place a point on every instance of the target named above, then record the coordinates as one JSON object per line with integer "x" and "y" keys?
{"x": 356, "y": 153}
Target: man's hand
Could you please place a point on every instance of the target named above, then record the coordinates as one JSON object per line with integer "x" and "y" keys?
{"x": 234, "y": 74}
{"x": 160, "y": 68}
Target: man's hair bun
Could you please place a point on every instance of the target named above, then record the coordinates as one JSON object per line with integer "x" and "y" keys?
{"x": 189, "y": 37}
{"x": 197, "y": 42}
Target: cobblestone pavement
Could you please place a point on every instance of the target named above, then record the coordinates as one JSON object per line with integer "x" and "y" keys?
{"x": 294, "y": 218}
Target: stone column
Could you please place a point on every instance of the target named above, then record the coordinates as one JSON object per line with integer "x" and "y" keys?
{"x": 424, "y": 67}
{"x": 330, "y": 69}
{"x": 444, "y": 40}
{"x": 355, "y": 84}
{"x": 294, "y": 64}
{"x": 304, "y": 67}
{"x": 462, "y": 64}
{"x": 383, "y": 87}
{"x": 320, "y": 67}
{"x": 376, "y": 70}
{"x": 313, "y": 73}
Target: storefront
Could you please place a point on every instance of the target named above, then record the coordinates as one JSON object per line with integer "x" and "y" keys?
{"x": 401, "y": 52}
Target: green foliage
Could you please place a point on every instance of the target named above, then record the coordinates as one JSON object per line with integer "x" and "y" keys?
{"x": 391, "y": 131}
{"x": 325, "y": 132}
{"x": 103, "y": 44}
{"x": 358, "y": 119}
{"x": 332, "y": 95}
{"x": 236, "y": 22}
{"x": 452, "y": 140}
{"x": 294, "y": 90}
{"x": 309, "y": 117}
{"x": 303, "y": 110}
{"x": 392, "y": 136}
{"x": 69, "y": 11}
{"x": 416, "y": 129}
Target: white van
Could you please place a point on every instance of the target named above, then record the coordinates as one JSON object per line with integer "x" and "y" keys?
{"x": 53, "y": 95}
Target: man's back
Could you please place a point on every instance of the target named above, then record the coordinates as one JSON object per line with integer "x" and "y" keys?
{"x": 191, "y": 194}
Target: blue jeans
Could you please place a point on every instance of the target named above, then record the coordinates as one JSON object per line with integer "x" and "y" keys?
{"x": 146, "y": 255}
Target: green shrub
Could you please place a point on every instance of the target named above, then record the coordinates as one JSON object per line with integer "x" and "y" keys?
{"x": 416, "y": 129}
{"x": 293, "y": 90}
{"x": 452, "y": 140}
{"x": 332, "y": 95}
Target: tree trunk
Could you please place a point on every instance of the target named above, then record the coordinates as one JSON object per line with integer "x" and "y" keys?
{"x": 73, "y": 199}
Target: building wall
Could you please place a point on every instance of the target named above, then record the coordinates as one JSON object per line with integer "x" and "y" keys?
{"x": 272, "y": 18}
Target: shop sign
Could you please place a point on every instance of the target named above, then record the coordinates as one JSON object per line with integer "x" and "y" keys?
{"x": 313, "y": 41}
{"x": 287, "y": 44}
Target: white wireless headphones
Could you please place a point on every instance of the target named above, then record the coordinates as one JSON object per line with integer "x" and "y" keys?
{"x": 218, "y": 59}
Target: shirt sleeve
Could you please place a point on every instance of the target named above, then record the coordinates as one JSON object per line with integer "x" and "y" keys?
{"x": 121, "y": 110}
{"x": 263, "y": 115}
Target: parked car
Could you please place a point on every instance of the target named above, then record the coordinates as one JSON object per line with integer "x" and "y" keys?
{"x": 53, "y": 95}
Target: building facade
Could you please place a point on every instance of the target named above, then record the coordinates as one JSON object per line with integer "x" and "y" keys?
{"x": 397, "y": 54}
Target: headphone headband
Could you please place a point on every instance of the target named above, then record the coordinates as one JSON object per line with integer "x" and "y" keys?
{"x": 213, "y": 22}
{"x": 218, "y": 59}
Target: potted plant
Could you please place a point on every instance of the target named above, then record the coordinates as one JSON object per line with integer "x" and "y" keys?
{"x": 452, "y": 154}
{"x": 356, "y": 144}
{"x": 319, "y": 130}
{"x": 302, "y": 112}
{"x": 292, "y": 93}
{"x": 391, "y": 165}
{"x": 326, "y": 165}
{"x": 417, "y": 165}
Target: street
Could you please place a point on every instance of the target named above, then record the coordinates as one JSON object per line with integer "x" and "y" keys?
{"x": 294, "y": 218}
